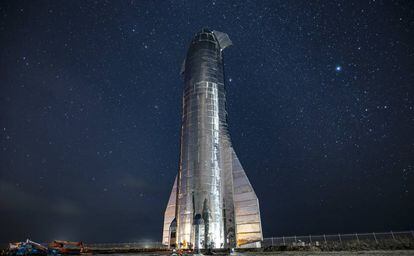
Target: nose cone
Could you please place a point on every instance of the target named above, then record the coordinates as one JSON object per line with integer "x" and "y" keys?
{"x": 206, "y": 39}
{"x": 205, "y": 30}
{"x": 217, "y": 37}
{"x": 203, "y": 35}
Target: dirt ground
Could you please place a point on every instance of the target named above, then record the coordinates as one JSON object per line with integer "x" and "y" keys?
{"x": 291, "y": 253}
{"x": 342, "y": 253}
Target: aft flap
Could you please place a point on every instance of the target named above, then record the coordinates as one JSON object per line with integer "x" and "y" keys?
{"x": 169, "y": 214}
{"x": 223, "y": 39}
{"x": 246, "y": 207}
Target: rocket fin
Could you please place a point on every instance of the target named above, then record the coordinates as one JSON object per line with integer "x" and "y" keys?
{"x": 223, "y": 39}
{"x": 246, "y": 208}
{"x": 169, "y": 214}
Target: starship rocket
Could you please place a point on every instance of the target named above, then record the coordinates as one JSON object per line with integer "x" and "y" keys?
{"x": 212, "y": 203}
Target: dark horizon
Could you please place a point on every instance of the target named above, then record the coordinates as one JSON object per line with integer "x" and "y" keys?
{"x": 320, "y": 111}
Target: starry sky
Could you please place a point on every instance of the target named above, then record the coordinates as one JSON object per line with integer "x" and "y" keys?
{"x": 320, "y": 100}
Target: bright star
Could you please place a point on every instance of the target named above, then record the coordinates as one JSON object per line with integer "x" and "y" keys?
{"x": 338, "y": 68}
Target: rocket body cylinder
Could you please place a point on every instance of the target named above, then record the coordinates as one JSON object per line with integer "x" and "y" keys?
{"x": 200, "y": 187}
{"x": 212, "y": 203}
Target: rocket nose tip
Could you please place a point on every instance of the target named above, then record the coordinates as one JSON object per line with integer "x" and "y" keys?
{"x": 206, "y": 30}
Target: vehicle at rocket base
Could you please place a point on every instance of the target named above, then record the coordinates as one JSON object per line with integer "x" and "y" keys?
{"x": 212, "y": 203}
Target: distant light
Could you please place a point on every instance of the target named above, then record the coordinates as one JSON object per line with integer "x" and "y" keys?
{"x": 230, "y": 79}
{"x": 338, "y": 68}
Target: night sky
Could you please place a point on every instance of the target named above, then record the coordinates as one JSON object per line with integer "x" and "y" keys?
{"x": 320, "y": 100}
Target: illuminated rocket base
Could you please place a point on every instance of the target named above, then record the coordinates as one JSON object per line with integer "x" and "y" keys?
{"x": 212, "y": 203}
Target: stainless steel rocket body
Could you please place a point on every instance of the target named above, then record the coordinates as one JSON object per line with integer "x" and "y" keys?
{"x": 204, "y": 117}
{"x": 202, "y": 210}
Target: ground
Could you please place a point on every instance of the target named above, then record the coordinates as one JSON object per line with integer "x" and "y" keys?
{"x": 297, "y": 253}
{"x": 341, "y": 253}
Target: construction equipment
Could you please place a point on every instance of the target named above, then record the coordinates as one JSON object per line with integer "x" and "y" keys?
{"x": 66, "y": 247}
{"x": 27, "y": 248}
